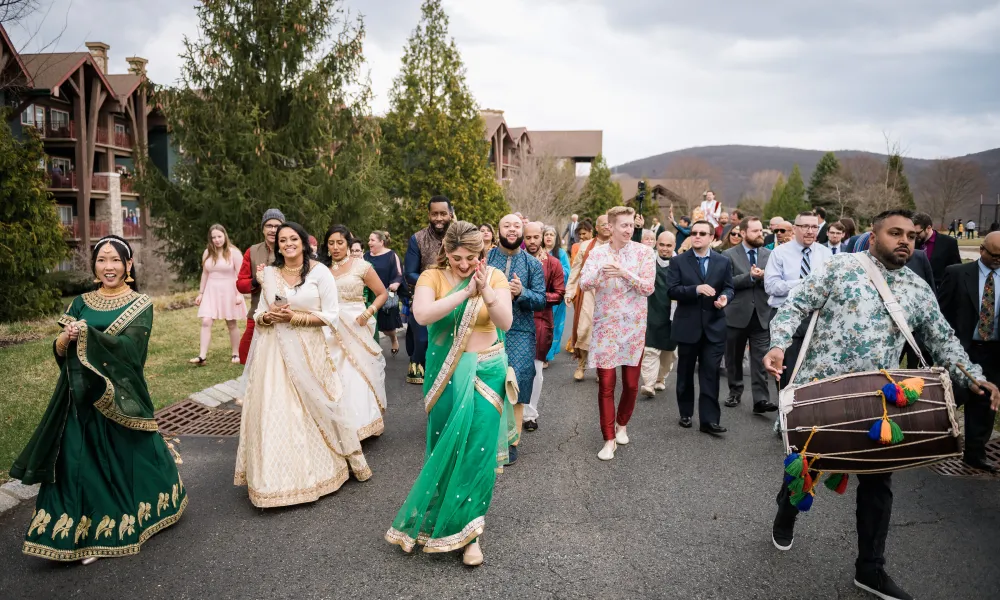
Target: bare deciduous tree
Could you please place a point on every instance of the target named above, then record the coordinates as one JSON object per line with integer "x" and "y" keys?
{"x": 947, "y": 184}
{"x": 689, "y": 177}
{"x": 15, "y": 10}
{"x": 543, "y": 189}
{"x": 762, "y": 183}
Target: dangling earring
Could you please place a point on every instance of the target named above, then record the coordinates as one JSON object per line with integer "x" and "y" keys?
{"x": 97, "y": 281}
{"x": 129, "y": 279}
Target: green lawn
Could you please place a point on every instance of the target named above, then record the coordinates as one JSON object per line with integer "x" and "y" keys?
{"x": 32, "y": 374}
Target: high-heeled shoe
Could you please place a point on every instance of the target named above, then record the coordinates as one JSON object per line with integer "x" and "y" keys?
{"x": 473, "y": 555}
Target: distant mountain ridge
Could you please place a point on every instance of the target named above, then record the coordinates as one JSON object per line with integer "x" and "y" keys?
{"x": 738, "y": 163}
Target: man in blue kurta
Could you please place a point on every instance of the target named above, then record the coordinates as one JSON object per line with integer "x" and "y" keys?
{"x": 527, "y": 286}
{"x": 422, "y": 254}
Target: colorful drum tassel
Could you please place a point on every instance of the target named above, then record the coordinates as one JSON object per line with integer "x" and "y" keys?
{"x": 912, "y": 388}
{"x": 885, "y": 430}
{"x": 836, "y": 482}
{"x": 904, "y": 393}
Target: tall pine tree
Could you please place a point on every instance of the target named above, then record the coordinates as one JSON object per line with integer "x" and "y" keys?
{"x": 273, "y": 111}
{"x": 433, "y": 134}
{"x": 825, "y": 168}
{"x": 599, "y": 192}
{"x": 897, "y": 181}
{"x": 773, "y": 206}
{"x": 788, "y": 199}
{"x": 31, "y": 238}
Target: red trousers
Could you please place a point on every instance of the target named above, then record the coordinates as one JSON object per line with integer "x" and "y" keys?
{"x": 245, "y": 341}
{"x": 606, "y": 380}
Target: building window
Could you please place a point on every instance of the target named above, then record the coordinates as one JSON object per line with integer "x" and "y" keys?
{"x": 40, "y": 117}
{"x": 59, "y": 119}
{"x": 61, "y": 166}
{"x": 28, "y": 116}
{"x": 65, "y": 214}
{"x": 119, "y": 129}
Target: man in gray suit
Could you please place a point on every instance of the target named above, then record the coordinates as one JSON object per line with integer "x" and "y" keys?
{"x": 748, "y": 317}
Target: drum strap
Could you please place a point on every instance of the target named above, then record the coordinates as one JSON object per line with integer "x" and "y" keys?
{"x": 895, "y": 310}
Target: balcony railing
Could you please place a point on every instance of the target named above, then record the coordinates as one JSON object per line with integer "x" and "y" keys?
{"x": 98, "y": 229}
{"x": 65, "y": 131}
{"x": 65, "y": 181}
{"x": 99, "y": 182}
{"x": 127, "y": 185}
{"x": 122, "y": 140}
{"x": 131, "y": 230}
{"x": 102, "y": 135}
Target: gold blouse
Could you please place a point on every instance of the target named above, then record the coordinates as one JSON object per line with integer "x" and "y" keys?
{"x": 351, "y": 283}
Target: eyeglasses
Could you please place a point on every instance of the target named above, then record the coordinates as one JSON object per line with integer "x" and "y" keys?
{"x": 780, "y": 231}
{"x": 735, "y": 234}
{"x": 700, "y": 233}
{"x": 993, "y": 255}
{"x": 270, "y": 227}
{"x": 808, "y": 227}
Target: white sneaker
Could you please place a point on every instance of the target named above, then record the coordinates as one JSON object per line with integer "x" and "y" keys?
{"x": 608, "y": 451}
{"x": 647, "y": 391}
{"x": 659, "y": 386}
{"x": 620, "y": 436}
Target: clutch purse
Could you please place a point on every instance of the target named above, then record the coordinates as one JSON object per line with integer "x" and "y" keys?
{"x": 510, "y": 386}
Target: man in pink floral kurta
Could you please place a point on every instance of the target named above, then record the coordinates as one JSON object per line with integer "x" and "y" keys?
{"x": 622, "y": 274}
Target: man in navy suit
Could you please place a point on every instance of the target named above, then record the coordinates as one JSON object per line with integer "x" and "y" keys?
{"x": 701, "y": 281}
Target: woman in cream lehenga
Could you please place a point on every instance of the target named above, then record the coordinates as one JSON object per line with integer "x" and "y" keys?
{"x": 298, "y": 440}
{"x": 466, "y": 307}
{"x": 356, "y": 356}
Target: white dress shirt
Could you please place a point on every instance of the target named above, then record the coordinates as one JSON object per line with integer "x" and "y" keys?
{"x": 784, "y": 266}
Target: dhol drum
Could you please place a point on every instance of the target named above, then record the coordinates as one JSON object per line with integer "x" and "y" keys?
{"x": 838, "y": 421}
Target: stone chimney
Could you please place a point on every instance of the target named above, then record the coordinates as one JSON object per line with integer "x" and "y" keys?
{"x": 492, "y": 111}
{"x": 99, "y": 50}
{"x": 136, "y": 65}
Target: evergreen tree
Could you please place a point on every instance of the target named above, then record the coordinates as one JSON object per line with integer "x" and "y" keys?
{"x": 31, "y": 238}
{"x": 433, "y": 133}
{"x": 897, "y": 181}
{"x": 599, "y": 192}
{"x": 773, "y": 206}
{"x": 825, "y": 168}
{"x": 273, "y": 111}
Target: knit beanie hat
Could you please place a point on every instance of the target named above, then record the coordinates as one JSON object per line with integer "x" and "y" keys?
{"x": 272, "y": 213}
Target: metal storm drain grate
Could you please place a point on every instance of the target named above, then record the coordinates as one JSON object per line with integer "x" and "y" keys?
{"x": 191, "y": 418}
{"x": 956, "y": 468}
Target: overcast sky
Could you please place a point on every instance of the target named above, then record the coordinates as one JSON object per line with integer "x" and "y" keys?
{"x": 661, "y": 75}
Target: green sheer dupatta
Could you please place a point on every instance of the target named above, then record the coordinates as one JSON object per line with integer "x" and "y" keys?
{"x": 102, "y": 369}
{"x": 446, "y": 507}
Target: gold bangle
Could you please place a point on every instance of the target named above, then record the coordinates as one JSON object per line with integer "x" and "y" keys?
{"x": 61, "y": 346}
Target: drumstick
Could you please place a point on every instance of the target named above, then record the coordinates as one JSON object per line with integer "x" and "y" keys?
{"x": 967, "y": 374}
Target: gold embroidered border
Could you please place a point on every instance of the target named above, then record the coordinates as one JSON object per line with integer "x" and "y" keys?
{"x": 358, "y": 464}
{"x": 125, "y": 319}
{"x": 488, "y": 393}
{"x": 275, "y": 499}
{"x": 376, "y": 427}
{"x": 33, "y": 549}
{"x": 372, "y": 351}
{"x": 66, "y": 320}
{"x": 96, "y": 301}
{"x": 454, "y": 353}
{"x": 446, "y": 544}
{"x": 106, "y": 403}
{"x": 491, "y": 352}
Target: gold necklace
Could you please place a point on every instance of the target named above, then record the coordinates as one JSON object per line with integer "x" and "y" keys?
{"x": 115, "y": 292}
{"x": 291, "y": 270}
{"x": 339, "y": 264}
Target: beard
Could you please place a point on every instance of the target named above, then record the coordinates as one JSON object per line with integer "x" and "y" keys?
{"x": 888, "y": 256}
{"x": 756, "y": 242}
{"x": 515, "y": 245}
{"x": 439, "y": 229}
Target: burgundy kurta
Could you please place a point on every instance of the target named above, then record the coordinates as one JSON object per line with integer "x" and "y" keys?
{"x": 555, "y": 289}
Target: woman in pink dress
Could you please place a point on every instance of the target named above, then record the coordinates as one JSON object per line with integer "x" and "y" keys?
{"x": 218, "y": 298}
{"x": 622, "y": 275}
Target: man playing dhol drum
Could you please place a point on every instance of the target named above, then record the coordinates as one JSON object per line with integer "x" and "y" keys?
{"x": 868, "y": 340}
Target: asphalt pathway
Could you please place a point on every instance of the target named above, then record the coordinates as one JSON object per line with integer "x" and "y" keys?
{"x": 677, "y": 514}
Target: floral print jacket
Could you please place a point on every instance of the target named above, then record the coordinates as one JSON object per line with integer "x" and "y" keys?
{"x": 854, "y": 331}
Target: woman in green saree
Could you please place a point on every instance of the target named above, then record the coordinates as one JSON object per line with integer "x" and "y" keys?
{"x": 109, "y": 482}
{"x": 466, "y": 307}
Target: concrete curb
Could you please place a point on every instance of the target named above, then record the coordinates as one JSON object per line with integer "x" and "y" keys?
{"x": 217, "y": 394}
{"x": 14, "y": 492}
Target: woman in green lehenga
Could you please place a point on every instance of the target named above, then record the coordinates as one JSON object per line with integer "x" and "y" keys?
{"x": 109, "y": 482}
{"x": 466, "y": 307}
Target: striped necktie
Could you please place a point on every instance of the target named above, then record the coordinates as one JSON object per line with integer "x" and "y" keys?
{"x": 804, "y": 270}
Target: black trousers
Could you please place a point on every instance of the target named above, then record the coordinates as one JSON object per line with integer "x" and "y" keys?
{"x": 736, "y": 343}
{"x": 979, "y": 418}
{"x": 873, "y": 513}
{"x": 416, "y": 340}
{"x": 707, "y": 356}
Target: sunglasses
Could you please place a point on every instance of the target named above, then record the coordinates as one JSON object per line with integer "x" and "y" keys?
{"x": 735, "y": 234}
{"x": 700, "y": 233}
{"x": 780, "y": 231}
{"x": 993, "y": 255}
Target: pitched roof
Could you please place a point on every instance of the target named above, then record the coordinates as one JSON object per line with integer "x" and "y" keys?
{"x": 5, "y": 39}
{"x": 52, "y": 69}
{"x": 568, "y": 144}
{"x": 124, "y": 84}
{"x": 493, "y": 121}
{"x": 630, "y": 187}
